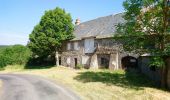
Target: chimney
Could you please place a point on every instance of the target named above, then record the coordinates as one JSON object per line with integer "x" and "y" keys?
{"x": 77, "y": 21}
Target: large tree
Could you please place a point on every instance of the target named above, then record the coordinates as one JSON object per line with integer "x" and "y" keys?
{"x": 54, "y": 28}
{"x": 147, "y": 30}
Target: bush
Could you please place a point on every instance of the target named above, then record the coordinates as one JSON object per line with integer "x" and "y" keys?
{"x": 16, "y": 54}
{"x": 40, "y": 62}
{"x": 79, "y": 66}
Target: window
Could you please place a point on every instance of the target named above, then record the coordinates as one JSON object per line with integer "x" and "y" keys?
{"x": 85, "y": 59}
{"x": 104, "y": 62}
{"x": 68, "y": 46}
{"x": 68, "y": 60}
{"x": 89, "y": 45}
{"x": 76, "y": 46}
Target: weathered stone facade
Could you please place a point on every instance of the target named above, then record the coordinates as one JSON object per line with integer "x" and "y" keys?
{"x": 106, "y": 54}
{"x": 100, "y": 58}
{"x": 93, "y": 46}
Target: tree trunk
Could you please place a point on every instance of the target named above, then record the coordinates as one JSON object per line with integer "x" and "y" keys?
{"x": 164, "y": 72}
{"x": 164, "y": 69}
{"x": 56, "y": 58}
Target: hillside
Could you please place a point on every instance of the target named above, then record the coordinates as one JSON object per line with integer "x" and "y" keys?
{"x": 2, "y": 47}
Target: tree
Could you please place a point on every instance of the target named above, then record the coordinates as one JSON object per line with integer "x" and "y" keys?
{"x": 16, "y": 54}
{"x": 146, "y": 30}
{"x": 54, "y": 28}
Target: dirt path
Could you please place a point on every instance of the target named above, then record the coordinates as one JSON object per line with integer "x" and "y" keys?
{"x": 29, "y": 87}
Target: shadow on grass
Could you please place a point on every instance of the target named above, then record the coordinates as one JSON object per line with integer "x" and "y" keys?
{"x": 126, "y": 80}
{"x": 38, "y": 66}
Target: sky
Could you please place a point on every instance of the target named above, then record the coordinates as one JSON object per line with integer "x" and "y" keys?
{"x": 18, "y": 17}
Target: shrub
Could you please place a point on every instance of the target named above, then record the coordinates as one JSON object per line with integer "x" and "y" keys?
{"x": 16, "y": 54}
{"x": 40, "y": 62}
{"x": 79, "y": 66}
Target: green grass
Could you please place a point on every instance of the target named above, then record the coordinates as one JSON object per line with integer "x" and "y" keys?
{"x": 101, "y": 84}
{"x": 118, "y": 78}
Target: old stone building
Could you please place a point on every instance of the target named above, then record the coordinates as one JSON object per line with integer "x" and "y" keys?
{"x": 93, "y": 46}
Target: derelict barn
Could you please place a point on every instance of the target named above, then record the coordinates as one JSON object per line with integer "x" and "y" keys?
{"x": 93, "y": 46}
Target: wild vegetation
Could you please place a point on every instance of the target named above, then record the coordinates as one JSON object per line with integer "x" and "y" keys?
{"x": 12, "y": 55}
{"x": 2, "y": 47}
{"x": 146, "y": 30}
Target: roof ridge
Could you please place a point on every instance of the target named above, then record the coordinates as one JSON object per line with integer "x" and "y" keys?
{"x": 99, "y": 27}
{"x": 100, "y": 18}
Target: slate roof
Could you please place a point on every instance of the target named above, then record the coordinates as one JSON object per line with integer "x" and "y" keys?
{"x": 102, "y": 27}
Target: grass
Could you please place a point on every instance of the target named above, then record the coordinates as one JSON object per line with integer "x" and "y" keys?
{"x": 100, "y": 84}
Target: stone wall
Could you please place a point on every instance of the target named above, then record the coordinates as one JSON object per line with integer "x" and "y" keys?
{"x": 107, "y": 42}
{"x": 152, "y": 72}
{"x": 104, "y": 48}
{"x": 68, "y": 58}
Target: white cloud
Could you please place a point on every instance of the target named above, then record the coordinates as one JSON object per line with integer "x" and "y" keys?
{"x": 12, "y": 38}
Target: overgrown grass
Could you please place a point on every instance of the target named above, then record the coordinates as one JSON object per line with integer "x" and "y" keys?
{"x": 118, "y": 78}
{"x": 102, "y": 84}
{"x": 14, "y": 68}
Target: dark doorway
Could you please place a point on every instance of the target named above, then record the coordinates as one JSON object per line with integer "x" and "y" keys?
{"x": 104, "y": 62}
{"x": 59, "y": 60}
{"x": 129, "y": 62}
{"x": 75, "y": 61}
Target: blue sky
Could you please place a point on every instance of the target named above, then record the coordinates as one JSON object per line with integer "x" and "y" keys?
{"x": 18, "y": 17}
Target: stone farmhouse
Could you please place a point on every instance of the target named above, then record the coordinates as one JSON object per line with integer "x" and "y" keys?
{"x": 93, "y": 46}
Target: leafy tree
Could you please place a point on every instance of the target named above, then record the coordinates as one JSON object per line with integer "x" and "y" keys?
{"x": 16, "y": 54}
{"x": 147, "y": 30}
{"x": 47, "y": 37}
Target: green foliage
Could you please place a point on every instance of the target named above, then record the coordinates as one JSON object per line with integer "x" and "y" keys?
{"x": 157, "y": 61}
{"x": 16, "y": 54}
{"x": 53, "y": 29}
{"x": 146, "y": 28}
{"x": 3, "y": 47}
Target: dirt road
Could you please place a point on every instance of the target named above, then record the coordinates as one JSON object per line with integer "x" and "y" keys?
{"x": 29, "y": 87}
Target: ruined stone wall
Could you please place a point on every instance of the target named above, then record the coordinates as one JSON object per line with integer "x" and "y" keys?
{"x": 152, "y": 73}
{"x": 106, "y": 42}
{"x": 108, "y": 49}
{"x": 68, "y": 57}
{"x": 104, "y": 48}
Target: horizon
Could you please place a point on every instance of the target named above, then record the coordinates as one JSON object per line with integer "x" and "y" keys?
{"x": 19, "y": 17}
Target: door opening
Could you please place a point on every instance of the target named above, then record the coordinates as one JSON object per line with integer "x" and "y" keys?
{"x": 75, "y": 61}
{"x": 59, "y": 60}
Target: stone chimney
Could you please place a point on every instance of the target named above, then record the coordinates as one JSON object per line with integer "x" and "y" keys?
{"x": 77, "y": 21}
